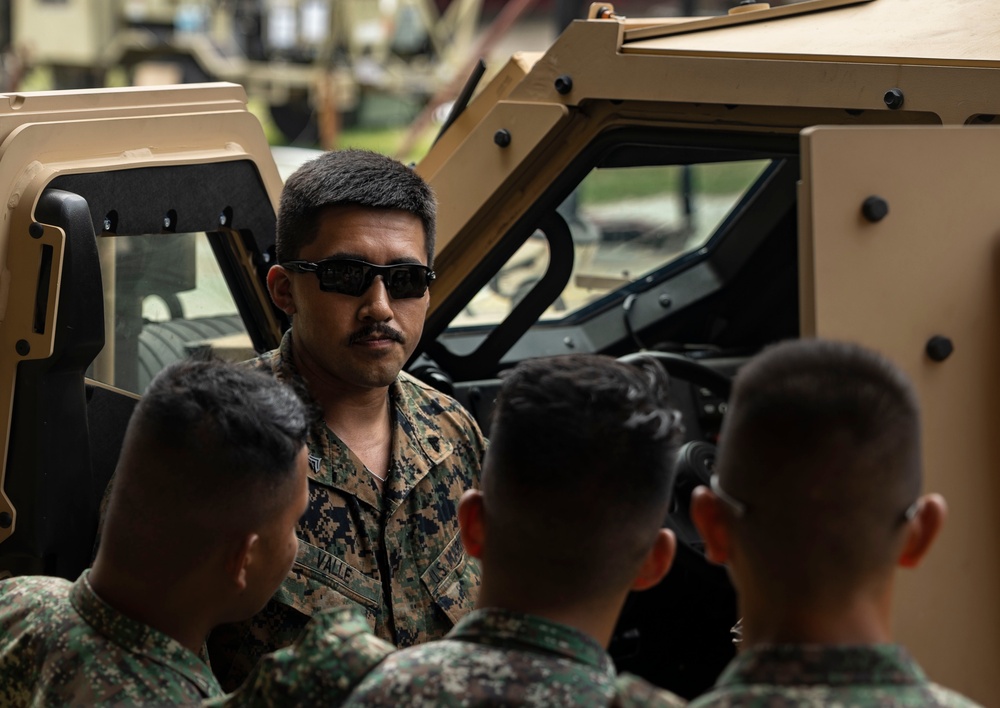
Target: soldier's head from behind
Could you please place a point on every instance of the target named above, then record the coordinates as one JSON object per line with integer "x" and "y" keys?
{"x": 209, "y": 488}
{"x": 355, "y": 244}
{"x": 576, "y": 486}
{"x": 816, "y": 499}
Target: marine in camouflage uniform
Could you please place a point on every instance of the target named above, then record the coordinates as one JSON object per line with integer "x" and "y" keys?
{"x": 394, "y": 554}
{"x": 61, "y": 645}
{"x": 498, "y": 657}
{"x": 336, "y": 651}
{"x": 881, "y": 675}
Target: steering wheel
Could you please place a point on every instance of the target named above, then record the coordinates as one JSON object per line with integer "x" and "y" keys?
{"x": 681, "y": 367}
{"x": 695, "y": 459}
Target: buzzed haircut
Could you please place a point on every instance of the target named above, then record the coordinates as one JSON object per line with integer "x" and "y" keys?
{"x": 577, "y": 480}
{"x": 821, "y": 442}
{"x": 349, "y": 178}
{"x": 210, "y": 453}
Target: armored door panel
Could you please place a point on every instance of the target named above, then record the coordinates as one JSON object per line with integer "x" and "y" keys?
{"x": 899, "y": 249}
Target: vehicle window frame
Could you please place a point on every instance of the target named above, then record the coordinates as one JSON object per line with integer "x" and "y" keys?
{"x": 780, "y": 148}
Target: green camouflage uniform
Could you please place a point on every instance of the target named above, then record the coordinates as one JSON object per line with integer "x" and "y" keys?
{"x": 395, "y": 554}
{"x": 881, "y": 675}
{"x": 336, "y": 651}
{"x": 494, "y": 657}
{"x": 61, "y": 645}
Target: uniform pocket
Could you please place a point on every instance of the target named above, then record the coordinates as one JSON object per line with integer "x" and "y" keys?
{"x": 452, "y": 580}
{"x": 320, "y": 581}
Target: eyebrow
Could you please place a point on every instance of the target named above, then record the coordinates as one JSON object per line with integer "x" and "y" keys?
{"x": 404, "y": 260}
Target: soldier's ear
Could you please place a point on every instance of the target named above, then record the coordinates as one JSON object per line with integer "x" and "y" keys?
{"x": 923, "y": 529}
{"x": 657, "y": 561}
{"x": 710, "y": 517}
{"x": 279, "y": 285}
{"x": 470, "y": 522}
{"x": 239, "y": 561}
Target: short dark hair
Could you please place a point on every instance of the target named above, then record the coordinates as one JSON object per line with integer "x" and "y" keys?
{"x": 210, "y": 451}
{"x": 578, "y": 476}
{"x": 350, "y": 178}
{"x": 822, "y": 443}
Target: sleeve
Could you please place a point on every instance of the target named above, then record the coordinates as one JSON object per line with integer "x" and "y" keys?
{"x": 334, "y": 653}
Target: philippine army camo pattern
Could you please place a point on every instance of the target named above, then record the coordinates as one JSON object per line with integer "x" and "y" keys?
{"x": 413, "y": 580}
{"x": 634, "y": 692}
{"x": 857, "y": 676}
{"x": 61, "y": 645}
{"x": 336, "y": 651}
{"x": 496, "y": 657}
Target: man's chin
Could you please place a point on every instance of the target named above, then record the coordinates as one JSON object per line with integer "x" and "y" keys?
{"x": 379, "y": 382}
{"x": 378, "y": 376}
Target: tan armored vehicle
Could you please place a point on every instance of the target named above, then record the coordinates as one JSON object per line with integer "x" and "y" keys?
{"x": 698, "y": 188}
{"x": 299, "y": 57}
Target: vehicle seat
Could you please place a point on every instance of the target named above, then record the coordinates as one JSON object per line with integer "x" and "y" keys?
{"x": 50, "y": 477}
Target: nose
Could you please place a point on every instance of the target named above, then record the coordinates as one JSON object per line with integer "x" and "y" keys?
{"x": 375, "y": 305}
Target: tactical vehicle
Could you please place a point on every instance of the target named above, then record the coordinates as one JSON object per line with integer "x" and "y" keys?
{"x": 697, "y": 188}
{"x": 299, "y": 57}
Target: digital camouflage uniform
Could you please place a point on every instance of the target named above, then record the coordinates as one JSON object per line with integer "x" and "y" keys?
{"x": 796, "y": 675}
{"x": 494, "y": 657}
{"x": 394, "y": 554}
{"x": 334, "y": 652}
{"x": 61, "y": 645}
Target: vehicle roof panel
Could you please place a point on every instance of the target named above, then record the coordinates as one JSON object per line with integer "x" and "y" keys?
{"x": 941, "y": 32}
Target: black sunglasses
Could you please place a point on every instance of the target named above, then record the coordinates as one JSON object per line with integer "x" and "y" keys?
{"x": 351, "y": 277}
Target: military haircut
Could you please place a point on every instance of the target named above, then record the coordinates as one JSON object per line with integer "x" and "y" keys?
{"x": 210, "y": 451}
{"x": 821, "y": 443}
{"x": 350, "y": 178}
{"x": 577, "y": 478}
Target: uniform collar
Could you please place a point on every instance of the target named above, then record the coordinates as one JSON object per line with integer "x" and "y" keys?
{"x": 515, "y": 630}
{"x": 417, "y": 446}
{"x": 816, "y": 664}
{"x": 139, "y": 639}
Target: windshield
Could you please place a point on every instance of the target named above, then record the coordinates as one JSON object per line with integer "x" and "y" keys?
{"x": 626, "y": 223}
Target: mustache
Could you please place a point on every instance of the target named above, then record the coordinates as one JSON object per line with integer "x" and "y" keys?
{"x": 379, "y": 331}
